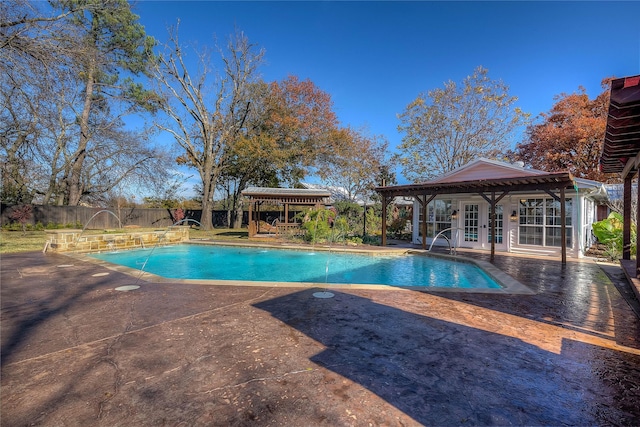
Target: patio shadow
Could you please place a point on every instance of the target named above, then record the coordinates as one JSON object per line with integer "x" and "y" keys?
{"x": 443, "y": 373}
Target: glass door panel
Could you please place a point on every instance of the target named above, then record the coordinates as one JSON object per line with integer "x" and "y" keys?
{"x": 471, "y": 223}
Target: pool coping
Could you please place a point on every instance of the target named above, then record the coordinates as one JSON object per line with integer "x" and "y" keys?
{"x": 509, "y": 285}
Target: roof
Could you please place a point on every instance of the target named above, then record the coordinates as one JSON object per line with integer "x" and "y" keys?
{"x": 337, "y": 193}
{"x": 549, "y": 181}
{"x": 486, "y": 169}
{"x": 622, "y": 136}
{"x": 484, "y": 175}
{"x": 288, "y": 195}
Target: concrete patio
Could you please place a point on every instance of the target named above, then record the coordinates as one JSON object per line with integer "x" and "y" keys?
{"x": 77, "y": 352}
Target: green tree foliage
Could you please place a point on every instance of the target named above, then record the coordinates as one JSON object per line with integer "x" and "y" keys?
{"x": 109, "y": 41}
{"x": 448, "y": 127}
{"x": 352, "y": 213}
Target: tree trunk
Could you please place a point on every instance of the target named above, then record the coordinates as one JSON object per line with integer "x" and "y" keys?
{"x": 209, "y": 180}
{"x": 237, "y": 202}
{"x": 229, "y": 206}
{"x": 75, "y": 185}
{"x": 207, "y": 218}
{"x": 237, "y": 223}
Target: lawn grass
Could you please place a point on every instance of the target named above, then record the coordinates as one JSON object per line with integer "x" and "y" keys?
{"x": 17, "y": 241}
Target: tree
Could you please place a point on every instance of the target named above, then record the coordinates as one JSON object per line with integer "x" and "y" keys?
{"x": 286, "y": 133}
{"x": 206, "y": 107}
{"x": 29, "y": 31}
{"x": 29, "y": 61}
{"x": 358, "y": 163}
{"x": 63, "y": 97}
{"x": 22, "y": 214}
{"x": 448, "y": 127}
{"x": 111, "y": 42}
{"x": 569, "y": 137}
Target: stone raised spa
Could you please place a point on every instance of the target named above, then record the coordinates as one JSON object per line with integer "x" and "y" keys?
{"x": 79, "y": 241}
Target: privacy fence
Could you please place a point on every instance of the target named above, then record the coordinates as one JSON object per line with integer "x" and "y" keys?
{"x": 79, "y": 216}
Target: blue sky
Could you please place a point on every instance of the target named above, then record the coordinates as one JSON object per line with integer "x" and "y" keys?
{"x": 374, "y": 58}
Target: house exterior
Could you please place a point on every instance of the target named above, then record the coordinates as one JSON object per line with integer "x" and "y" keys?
{"x": 527, "y": 207}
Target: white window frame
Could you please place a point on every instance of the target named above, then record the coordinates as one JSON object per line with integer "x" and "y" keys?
{"x": 538, "y": 216}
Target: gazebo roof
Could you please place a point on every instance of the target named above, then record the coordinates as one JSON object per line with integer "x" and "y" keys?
{"x": 550, "y": 181}
{"x": 302, "y": 196}
{"x": 622, "y": 137}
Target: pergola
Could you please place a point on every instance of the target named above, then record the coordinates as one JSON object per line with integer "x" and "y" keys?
{"x": 281, "y": 196}
{"x": 621, "y": 148}
{"x": 492, "y": 190}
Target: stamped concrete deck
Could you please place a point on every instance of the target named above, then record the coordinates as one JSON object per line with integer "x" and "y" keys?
{"x": 77, "y": 352}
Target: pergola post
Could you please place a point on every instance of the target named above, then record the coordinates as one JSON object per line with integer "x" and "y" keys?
{"x": 563, "y": 225}
{"x": 258, "y": 215}
{"x": 384, "y": 221}
{"x": 626, "y": 215}
{"x": 252, "y": 225}
{"x": 424, "y": 204}
{"x": 493, "y": 224}
{"x": 637, "y": 240}
{"x": 286, "y": 213}
{"x": 492, "y": 217}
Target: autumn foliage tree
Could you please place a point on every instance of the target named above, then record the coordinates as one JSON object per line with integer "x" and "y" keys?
{"x": 357, "y": 164}
{"x": 22, "y": 214}
{"x": 569, "y": 136}
{"x": 287, "y": 130}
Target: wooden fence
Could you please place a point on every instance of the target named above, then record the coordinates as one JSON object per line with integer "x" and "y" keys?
{"x": 101, "y": 218}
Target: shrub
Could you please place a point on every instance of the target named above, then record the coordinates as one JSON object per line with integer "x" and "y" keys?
{"x": 612, "y": 251}
{"x": 22, "y": 214}
{"x": 317, "y": 224}
{"x": 374, "y": 222}
{"x": 609, "y": 233}
{"x": 339, "y": 230}
{"x": 178, "y": 215}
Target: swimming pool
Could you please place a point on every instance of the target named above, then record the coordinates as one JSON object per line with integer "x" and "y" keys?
{"x": 213, "y": 262}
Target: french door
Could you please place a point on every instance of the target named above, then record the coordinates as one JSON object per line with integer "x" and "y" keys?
{"x": 471, "y": 226}
{"x": 476, "y": 226}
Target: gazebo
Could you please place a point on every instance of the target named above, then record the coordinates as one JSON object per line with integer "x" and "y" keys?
{"x": 621, "y": 153}
{"x": 281, "y": 196}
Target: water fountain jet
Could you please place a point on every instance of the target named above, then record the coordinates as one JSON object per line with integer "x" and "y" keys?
{"x": 91, "y": 219}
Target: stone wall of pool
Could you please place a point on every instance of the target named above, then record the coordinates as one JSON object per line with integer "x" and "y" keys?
{"x": 79, "y": 241}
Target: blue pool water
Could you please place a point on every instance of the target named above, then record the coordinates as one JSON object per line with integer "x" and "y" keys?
{"x": 278, "y": 265}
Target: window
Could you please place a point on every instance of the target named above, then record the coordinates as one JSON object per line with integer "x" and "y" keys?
{"x": 438, "y": 218}
{"x": 540, "y": 222}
